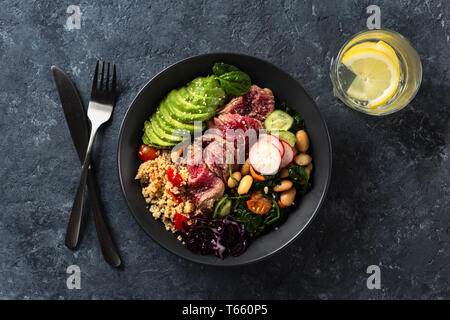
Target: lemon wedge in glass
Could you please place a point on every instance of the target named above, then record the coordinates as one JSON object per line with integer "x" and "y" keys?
{"x": 377, "y": 71}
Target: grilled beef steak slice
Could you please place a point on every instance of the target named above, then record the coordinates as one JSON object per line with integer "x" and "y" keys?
{"x": 218, "y": 154}
{"x": 204, "y": 187}
{"x": 256, "y": 103}
{"x": 234, "y": 122}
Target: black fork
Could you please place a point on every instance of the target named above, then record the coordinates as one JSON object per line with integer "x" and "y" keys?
{"x": 101, "y": 105}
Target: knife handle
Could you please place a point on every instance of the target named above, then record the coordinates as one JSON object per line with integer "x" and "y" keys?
{"x": 73, "y": 227}
{"x": 109, "y": 249}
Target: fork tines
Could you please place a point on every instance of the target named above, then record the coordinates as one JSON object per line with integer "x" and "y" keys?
{"x": 103, "y": 90}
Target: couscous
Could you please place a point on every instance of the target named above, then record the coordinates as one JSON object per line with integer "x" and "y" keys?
{"x": 165, "y": 198}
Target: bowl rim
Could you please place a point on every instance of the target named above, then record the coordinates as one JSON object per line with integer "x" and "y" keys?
{"x": 323, "y": 193}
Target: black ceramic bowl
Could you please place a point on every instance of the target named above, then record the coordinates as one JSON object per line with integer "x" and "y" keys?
{"x": 263, "y": 74}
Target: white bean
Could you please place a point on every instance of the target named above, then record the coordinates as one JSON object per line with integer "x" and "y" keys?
{"x": 283, "y": 186}
{"x": 302, "y": 159}
{"x": 302, "y": 143}
{"x": 236, "y": 175}
{"x": 287, "y": 197}
{"x": 245, "y": 184}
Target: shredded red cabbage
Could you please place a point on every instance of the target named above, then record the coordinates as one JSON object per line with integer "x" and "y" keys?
{"x": 222, "y": 236}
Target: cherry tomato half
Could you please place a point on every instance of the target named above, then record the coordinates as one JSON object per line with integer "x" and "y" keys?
{"x": 147, "y": 153}
{"x": 258, "y": 204}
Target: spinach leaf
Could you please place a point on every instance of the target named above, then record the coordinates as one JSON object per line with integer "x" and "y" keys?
{"x": 221, "y": 68}
{"x": 299, "y": 176}
{"x": 235, "y": 82}
{"x": 254, "y": 223}
{"x": 299, "y": 123}
{"x": 270, "y": 182}
{"x": 274, "y": 214}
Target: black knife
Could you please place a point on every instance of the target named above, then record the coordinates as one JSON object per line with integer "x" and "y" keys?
{"x": 77, "y": 122}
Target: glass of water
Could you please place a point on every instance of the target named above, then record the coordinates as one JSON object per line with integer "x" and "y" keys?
{"x": 377, "y": 72}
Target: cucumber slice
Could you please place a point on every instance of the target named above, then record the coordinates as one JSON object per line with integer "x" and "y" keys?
{"x": 223, "y": 207}
{"x": 287, "y": 136}
{"x": 278, "y": 120}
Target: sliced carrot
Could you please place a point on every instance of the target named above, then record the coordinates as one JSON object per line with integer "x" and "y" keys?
{"x": 180, "y": 152}
{"x": 255, "y": 175}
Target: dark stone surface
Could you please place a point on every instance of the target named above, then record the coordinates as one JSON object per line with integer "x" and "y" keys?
{"x": 388, "y": 202}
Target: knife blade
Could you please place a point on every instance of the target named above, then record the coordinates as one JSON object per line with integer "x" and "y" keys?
{"x": 76, "y": 120}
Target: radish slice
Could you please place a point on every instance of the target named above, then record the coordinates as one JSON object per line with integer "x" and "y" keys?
{"x": 288, "y": 154}
{"x": 274, "y": 140}
{"x": 265, "y": 157}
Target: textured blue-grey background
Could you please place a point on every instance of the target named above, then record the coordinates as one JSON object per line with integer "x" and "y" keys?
{"x": 388, "y": 202}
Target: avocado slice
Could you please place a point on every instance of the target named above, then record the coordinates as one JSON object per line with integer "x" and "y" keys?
{"x": 176, "y": 114}
{"x": 159, "y": 131}
{"x": 207, "y": 87}
{"x": 163, "y": 125}
{"x": 188, "y": 117}
{"x": 203, "y": 101}
{"x": 154, "y": 139}
{"x": 176, "y": 98}
{"x": 146, "y": 140}
{"x": 174, "y": 123}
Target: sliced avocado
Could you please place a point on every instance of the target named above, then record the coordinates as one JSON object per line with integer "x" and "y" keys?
{"x": 207, "y": 87}
{"x": 204, "y": 101}
{"x": 167, "y": 128}
{"x": 154, "y": 139}
{"x": 160, "y": 133}
{"x": 188, "y": 117}
{"x": 146, "y": 140}
{"x": 174, "y": 123}
{"x": 175, "y": 98}
{"x": 182, "y": 107}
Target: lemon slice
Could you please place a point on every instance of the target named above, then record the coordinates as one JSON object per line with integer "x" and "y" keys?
{"x": 378, "y": 46}
{"x": 377, "y": 75}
